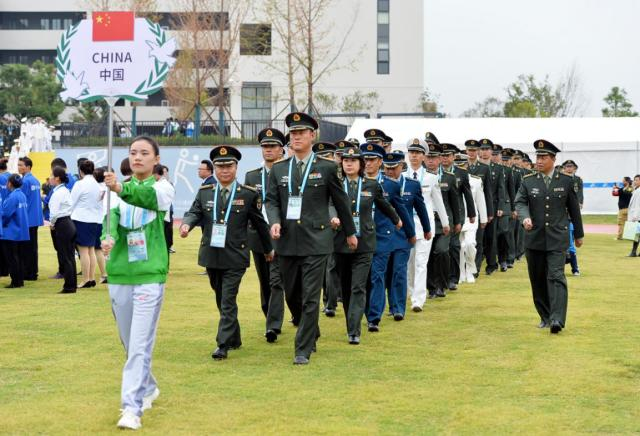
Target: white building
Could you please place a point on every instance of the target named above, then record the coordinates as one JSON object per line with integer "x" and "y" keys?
{"x": 383, "y": 53}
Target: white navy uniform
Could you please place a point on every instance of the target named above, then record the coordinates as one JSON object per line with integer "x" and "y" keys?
{"x": 468, "y": 234}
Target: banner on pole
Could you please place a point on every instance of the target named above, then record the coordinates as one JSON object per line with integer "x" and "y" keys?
{"x": 113, "y": 54}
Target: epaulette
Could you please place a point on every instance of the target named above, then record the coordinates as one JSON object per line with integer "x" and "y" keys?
{"x": 448, "y": 172}
{"x": 284, "y": 159}
{"x": 254, "y": 170}
{"x": 250, "y": 188}
{"x": 529, "y": 175}
{"x": 375, "y": 179}
{"x": 209, "y": 186}
{"x": 477, "y": 177}
{"x": 566, "y": 175}
{"x": 327, "y": 159}
{"x": 462, "y": 169}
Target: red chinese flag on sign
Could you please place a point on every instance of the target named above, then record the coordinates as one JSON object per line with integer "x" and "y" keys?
{"x": 113, "y": 26}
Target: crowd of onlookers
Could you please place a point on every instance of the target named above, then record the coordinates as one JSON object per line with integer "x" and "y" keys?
{"x": 173, "y": 127}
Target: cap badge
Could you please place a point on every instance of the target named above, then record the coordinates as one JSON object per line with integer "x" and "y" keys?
{"x": 296, "y": 117}
{"x": 321, "y": 147}
{"x": 485, "y": 141}
{"x": 350, "y": 151}
{"x": 540, "y": 144}
{"x": 370, "y": 147}
{"x": 223, "y": 151}
{"x": 373, "y": 132}
{"x": 432, "y": 147}
{"x": 416, "y": 141}
{"x": 390, "y": 156}
{"x": 269, "y": 133}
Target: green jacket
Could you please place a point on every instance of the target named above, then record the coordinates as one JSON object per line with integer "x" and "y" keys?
{"x": 139, "y": 200}
{"x": 549, "y": 210}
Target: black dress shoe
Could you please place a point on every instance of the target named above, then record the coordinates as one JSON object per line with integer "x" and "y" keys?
{"x": 219, "y": 354}
{"x": 543, "y": 325}
{"x": 278, "y": 331}
{"x": 398, "y": 317}
{"x": 452, "y": 286}
{"x": 555, "y": 327}
{"x": 67, "y": 291}
{"x": 510, "y": 265}
{"x": 373, "y": 328}
{"x": 92, "y": 284}
{"x": 432, "y": 295}
{"x": 271, "y": 336}
{"x": 632, "y": 254}
{"x": 440, "y": 293}
{"x": 300, "y": 360}
{"x": 13, "y": 285}
{"x": 330, "y": 313}
{"x": 490, "y": 271}
{"x": 503, "y": 267}
{"x": 476, "y": 275}
{"x": 85, "y": 285}
{"x": 354, "y": 340}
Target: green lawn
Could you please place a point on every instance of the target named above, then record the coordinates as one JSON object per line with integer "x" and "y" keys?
{"x": 473, "y": 362}
{"x": 600, "y": 219}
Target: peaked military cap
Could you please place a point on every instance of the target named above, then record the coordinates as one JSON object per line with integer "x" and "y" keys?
{"x": 387, "y": 139}
{"x": 485, "y": 143}
{"x": 351, "y": 152}
{"x": 372, "y": 150}
{"x": 322, "y": 148}
{"x": 506, "y": 154}
{"x": 496, "y": 149}
{"x": 543, "y": 147}
{"x": 374, "y": 135}
{"x": 300, "y": 121}
{"x": 271, "y": 136}
{"x": 224, "y": 155}
{"x": 430, "y": 137}
{"x": 471, "y": 143}
{"x": 354, "y": 142}
{"x": 570, "y": 162}
{"x": 461, "y": 158}
{"x": 449, "y": 148}
{"x": 341, "y": 145}
{"x": 434, "y": 149}
{"x": 518, "y": 154}
{"x": 393, "y": 159}
{"x": 417, "y": 144}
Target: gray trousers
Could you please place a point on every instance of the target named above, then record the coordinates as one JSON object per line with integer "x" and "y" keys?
{"x": 136, "y": 309}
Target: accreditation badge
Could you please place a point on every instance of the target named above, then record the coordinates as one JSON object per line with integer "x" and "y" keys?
{"x": 218, "y": 235}
{"x": 137, "y": 246}
{"x": 356, "y": 222}
{"x": 294, "y": 207}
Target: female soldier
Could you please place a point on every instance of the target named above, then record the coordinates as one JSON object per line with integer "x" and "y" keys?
{"x": 62, "y": 229}
{"x": 137, "y": 271}
{"x": 15, "y": 229}
{"x": 353, "y": 267}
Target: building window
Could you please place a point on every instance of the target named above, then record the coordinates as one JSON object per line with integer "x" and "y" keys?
{"x": 38, "y": 20}
{"x": 383, "y": 37}
{"x": 26, "y": 57}
{"x": 255, "y": 39}
{"x": 256, "y": 108}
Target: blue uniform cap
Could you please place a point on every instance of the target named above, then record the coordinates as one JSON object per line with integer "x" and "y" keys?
{"x": 372, "y": 150}
{"x": 393, "y": 159}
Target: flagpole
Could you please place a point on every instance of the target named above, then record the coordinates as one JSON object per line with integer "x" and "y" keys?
{"x": 111, "y": 101}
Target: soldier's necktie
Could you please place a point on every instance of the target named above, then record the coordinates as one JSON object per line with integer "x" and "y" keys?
{"x": 352, "y": 187}
{"x": 415, "y": 176}
{"x": 224, "y": 195}
{"x": 301, "y": 169}
{"x": 547, "y": 181}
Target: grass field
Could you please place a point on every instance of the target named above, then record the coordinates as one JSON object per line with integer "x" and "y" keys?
{"x": 473, "y": 362}
{"x": 600, "y": 219}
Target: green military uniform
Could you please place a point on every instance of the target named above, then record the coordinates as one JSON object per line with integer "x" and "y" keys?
{"x": 549, "y": 204}
{"x": 517, "y": 230}
{"x": 506, "y": 240}
{"x": 271, "y": 289}
{"x": 353, "y": 267}
{"x": 498, "y": 195}
{"x": 226, "y": 265}
{"x": 483, "y": 171}
{"x": 439, "y": 261}
{"x": 306, "y": 241}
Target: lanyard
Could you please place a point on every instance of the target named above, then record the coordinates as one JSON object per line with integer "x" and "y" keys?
{"x": 264, "y": 184}
{"x": 346, "y": 189}
{"x": 304, "y": 178}
{"x": 440, "y": 172}
{"x": 229, "y": 203}
{"x": 404, "y": 182}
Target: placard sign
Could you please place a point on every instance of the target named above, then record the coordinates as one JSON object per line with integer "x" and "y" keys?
{"x": 113, "y": 54}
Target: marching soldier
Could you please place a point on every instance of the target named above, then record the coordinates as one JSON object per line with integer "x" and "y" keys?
{"x": 439, "y": 263}
{"x": 467, "y": 209}
{"x": 506, "y": 243}
{"x": 353, "y": 267}
{"x": 498, "y": 195}
{"x": 419, "y": 257}
{"x": 374, "y": 136}
{"x": 385, "y": 234}
{"x": 271, "y": 290}
{"x": 569, "y": 168}
{"x": 225, "y": 209}
{"x": 480, "y": 169}
{"x": 518, "y": 230}
{"x": 298, "y": 210}
{"x": 546, "y": 202}
{"x": 411, "y": 195}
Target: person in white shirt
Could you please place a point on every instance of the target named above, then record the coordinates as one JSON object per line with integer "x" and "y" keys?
{"x": 468, "y": 234}
{"x": 161, "y": 174}
{"x": 98, "y": 174}
{"x": 417, "y": 267}
{"x": 634, "y": 211}
{"x": 63, "y": 229}
{"x": 87, "y": 214}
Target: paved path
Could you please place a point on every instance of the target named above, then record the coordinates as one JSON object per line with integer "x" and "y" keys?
{"x": 607, "y": 229}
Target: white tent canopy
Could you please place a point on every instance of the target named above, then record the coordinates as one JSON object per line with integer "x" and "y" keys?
{"x": 606, "y": 149}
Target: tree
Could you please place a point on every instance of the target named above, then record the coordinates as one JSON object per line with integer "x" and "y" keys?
{"x": 427, "y": 102}
{"x": 618, "y": 105}
{"x": 360, "y": 102}
{"x": 489, "y": 107}
{"x": 30, "y": 91}
{"x": 90, "y": 112}
{"x": 326, "y": 103}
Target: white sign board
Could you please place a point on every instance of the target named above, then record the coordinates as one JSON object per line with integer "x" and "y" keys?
{"x": 113, "y": 54}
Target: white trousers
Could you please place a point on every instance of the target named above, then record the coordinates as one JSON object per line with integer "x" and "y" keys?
{"x": 417, "y": 272}
{"x": 136, "y": 309}
{"x": 468, "y": 256}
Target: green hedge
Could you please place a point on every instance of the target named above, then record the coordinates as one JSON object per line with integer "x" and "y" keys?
{"x": 101, "y": 141}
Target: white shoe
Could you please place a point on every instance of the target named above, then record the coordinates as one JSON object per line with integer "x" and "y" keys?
{"x": 129, "y": 420}
{"x": 147, "y": 402}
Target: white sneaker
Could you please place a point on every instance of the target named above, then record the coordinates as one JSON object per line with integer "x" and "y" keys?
{"x": 129, "y": 420}
{"x": 147, "y": 402}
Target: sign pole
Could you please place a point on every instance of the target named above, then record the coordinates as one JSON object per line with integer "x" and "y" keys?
{"x": 111, "y": 101}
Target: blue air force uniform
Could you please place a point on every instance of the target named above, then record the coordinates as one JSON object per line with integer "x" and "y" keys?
{"x": 15, "y": 233}
{"x": 31, "y": 190}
